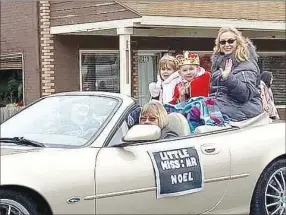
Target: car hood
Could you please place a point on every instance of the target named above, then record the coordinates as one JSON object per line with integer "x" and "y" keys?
{"x": 46, "y": 170}
{"x": 9, "y": 150}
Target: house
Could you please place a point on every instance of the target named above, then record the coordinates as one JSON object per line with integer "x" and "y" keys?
{"x": 80, "y": 45}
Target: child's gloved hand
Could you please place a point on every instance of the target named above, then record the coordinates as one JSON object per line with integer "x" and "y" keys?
{"x": 183, "y": 91}
{"x": 154, "y": 90}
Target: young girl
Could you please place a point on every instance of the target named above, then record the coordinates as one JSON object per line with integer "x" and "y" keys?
{"x": 167, "y": 78}
{"x": 267, "y": 95}
{"x": 195, "y": 81}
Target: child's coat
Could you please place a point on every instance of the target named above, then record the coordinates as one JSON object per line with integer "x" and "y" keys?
{"x": 163, "y": 90}
{"x": 199, "y": 86}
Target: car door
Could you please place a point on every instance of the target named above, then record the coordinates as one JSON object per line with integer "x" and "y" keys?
{"x": 125, "y": 178}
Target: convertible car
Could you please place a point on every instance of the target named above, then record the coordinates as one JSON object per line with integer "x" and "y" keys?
{"x": 74, "y": 153}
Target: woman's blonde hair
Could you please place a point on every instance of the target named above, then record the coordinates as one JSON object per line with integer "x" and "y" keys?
{"x": 242, "y": 51}
{"x": 155, "y": 108}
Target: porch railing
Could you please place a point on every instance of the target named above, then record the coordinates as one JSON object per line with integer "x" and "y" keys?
{"x": 6, "y": 112}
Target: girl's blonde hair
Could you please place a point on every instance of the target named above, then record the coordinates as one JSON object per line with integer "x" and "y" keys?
{"x": 242, "y": 51}
{"x": 167, "y": 60}
{"x": 155, "y": 108}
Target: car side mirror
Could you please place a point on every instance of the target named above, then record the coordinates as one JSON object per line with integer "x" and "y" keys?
{"x": 143, "y": 133}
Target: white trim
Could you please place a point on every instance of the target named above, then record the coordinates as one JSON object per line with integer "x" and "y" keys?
{"x": 171, "y": 31}
{"x": 125, "y": 30}
{"x": 124, "y": 23}
{"x": 150, "y": 52}
{"x": 12, "y": 55}
{"x": 99, "y": 51}
{"x": 153, "y": 52}
{"x": 211, "y": 23}
{"x": 23, "y": 79}
{"x": 80, "y": 72}
{"x": 125, "y": 60}
{"x": 202, "y": 52}
{"x": 167, "y": 21}
{"x": 271, "y": 53}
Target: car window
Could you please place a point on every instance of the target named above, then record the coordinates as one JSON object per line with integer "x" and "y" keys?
{"x": 61, "y": 120}
{"x": 121, "y": 132}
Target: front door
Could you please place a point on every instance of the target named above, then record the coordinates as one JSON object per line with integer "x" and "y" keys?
{"x": 147, "y": 73}
{"x": 125, "y": 179}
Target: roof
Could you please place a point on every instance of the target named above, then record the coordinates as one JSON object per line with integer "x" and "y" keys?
{"x": 78, "y": 12}
{"x": 251, "y": 10}
{"x": 79, "y": 16}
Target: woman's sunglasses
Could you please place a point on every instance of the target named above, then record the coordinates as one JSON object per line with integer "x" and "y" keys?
{"x": 229, "y": 41}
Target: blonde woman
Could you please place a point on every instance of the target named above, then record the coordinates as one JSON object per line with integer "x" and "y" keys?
{"x": 235, "y": 81}
{"x": 153, "y": 113}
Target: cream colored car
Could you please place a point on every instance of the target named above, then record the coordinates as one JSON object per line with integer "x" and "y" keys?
{"x": 73, "y": 153}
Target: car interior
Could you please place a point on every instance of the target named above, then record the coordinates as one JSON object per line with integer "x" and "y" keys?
{"x": 261, "y": 119}
{"x": 179, "y": 124}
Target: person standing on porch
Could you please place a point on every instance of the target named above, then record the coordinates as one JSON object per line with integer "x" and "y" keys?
{"x": 267, "y": 95}
{"x": 167, "y": 78}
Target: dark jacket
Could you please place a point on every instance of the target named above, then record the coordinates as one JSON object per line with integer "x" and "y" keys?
{"x": 237, "y": 96}
{"x": 133, "y": 116}
{"x": 167, "y": 133}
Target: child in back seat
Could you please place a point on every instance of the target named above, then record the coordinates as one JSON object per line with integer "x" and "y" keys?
{"x": 168, "y": 77}
{"x": 195, "y": 81}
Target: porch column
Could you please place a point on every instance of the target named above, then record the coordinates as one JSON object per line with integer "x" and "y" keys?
{"x": 125, "y": 59}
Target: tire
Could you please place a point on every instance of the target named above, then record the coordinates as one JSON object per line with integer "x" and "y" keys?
{"x": 17, "y": 201}
{"x": 264, "y": 194}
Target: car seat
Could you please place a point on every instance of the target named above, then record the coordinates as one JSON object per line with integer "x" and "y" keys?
{"x": 179, "y": 124}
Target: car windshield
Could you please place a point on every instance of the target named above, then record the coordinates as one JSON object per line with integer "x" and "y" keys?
{"x": 61, "y": 120}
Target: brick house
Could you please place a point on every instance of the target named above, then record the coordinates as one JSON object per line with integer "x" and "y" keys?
{"x": 80, "y": 45}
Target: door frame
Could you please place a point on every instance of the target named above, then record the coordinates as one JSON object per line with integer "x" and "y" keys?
{"x": 149, "y": 53}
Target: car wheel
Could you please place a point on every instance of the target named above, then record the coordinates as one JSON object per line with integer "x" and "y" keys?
{"x": 12, "y": 203}
{"x": 269, "y": 197}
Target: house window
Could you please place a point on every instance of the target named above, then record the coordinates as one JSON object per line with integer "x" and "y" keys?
{"x": 99, "y": 71}
{"x": 11, "y": 80}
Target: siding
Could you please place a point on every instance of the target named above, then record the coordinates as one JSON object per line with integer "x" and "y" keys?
{"x": 77, "y": 12}
{"x": 19, "y": 33}
{"x": 67, "y": 75}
